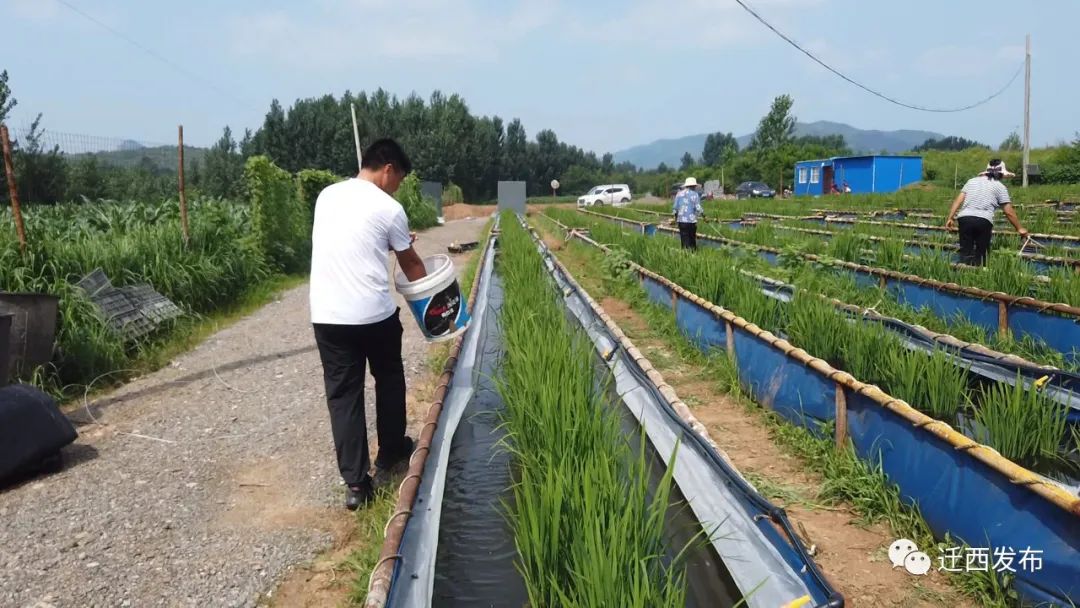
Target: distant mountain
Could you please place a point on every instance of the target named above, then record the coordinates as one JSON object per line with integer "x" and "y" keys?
{"x": 670, "y": 151}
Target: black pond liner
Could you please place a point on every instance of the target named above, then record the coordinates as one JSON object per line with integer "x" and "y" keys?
{"x": 476, "y": 562}
{"x": 708, "y": 582}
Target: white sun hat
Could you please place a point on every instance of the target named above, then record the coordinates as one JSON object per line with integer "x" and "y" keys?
{"x": 690, "y": 183}
{"x": 999, "y": 167}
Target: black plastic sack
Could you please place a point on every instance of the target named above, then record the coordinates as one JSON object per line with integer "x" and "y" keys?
{"x": 32, "y": 431}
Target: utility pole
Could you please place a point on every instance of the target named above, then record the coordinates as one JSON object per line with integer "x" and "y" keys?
{"x": 356, "y": 139}
{"x": 1027, "y": 108}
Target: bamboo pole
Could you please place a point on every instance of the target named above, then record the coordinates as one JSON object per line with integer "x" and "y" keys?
{"x": 183, "y": 190}
{"x": 841, "y": 416}
{"x": 13, "y": 190}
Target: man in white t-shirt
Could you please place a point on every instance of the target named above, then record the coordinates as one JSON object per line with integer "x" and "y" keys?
{"x": 356, "y": 323}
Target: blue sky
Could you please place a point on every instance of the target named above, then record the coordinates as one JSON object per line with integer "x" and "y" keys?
{"x": 603, "y": 74}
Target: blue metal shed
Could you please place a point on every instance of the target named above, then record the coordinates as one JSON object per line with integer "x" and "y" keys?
{"x": 864, "y": 174}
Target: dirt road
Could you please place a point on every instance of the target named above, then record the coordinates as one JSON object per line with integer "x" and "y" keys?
{"x": 206, "y": 481}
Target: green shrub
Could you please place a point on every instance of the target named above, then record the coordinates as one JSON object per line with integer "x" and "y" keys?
{"x": 282, "y": 226}
{"x": 421, "y": 212}
{"x": 132, "y": 243}
{"x": 312, "y": 182}
{"x": 453, "y": 194}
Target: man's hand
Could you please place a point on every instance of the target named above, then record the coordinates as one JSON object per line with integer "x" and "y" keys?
{"x": 412, "y": 237}
{"x": 1023, "y": 232}
{"x": 950, "y": 224}
{"x": 411, "y": 264}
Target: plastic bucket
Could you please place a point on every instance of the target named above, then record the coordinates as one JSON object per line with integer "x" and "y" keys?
{"x": 436, "y": 301}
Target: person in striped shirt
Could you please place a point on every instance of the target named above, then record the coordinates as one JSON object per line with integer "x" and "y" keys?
{"x": 974, "y": 210}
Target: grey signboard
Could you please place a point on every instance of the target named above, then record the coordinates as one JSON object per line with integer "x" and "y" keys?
{"x": 512, "y": 196}
{"x": 433, "y": 190}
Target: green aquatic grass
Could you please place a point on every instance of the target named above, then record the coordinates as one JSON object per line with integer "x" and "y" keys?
{"x": 1024, "y": 425}
{"x": 588, "y": 530}
{"x": 931, "y": 384}
{"x": 847, "y": 246}
{"x": 1005, "y": 270}
{"x": 939, "y": 388}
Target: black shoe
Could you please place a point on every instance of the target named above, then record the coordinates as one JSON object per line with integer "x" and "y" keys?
{"x": 387, "y": 460}
{"x": 359, "y": 495}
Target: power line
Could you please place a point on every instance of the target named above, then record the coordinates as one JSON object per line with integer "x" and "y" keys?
{"x": 868, "y": 89}
{"x": 179, "y": 68}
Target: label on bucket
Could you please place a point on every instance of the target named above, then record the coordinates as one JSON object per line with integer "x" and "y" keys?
{"x": 442, "y": 313}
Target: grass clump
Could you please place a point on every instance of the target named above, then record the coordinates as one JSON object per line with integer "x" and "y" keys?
{"x": 1023, "y": 424}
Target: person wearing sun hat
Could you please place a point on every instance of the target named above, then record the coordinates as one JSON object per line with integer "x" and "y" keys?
{"x": 687, "y": 209}
{"x": 974, "y": 210}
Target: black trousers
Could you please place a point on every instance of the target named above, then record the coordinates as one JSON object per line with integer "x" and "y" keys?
{"x": 345, "y": 351}
{"x": 688, "y": 234}
{"x": 975, "y": 234}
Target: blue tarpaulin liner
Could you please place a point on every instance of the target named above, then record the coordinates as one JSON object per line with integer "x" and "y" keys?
{"x": 1060, "y": 385}
{"x": 955, "y": 492}
{"x": 1060, "y": 333}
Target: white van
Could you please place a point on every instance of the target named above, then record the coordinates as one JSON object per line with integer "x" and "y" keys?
{"x": 616, "y": 195}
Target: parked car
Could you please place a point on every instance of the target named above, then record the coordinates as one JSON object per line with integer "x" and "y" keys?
{"x": 754, "y": 190}
{"x": 616, "y": 195}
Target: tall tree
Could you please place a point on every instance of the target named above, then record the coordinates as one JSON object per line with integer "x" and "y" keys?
{"x": 7, "y": 102}
{"x": 41, "y": 173}
{"x": 777, "y": 128}
{"x": 951, "y": 142}
{"x": 516, "y": 161}
{"x": 607, "y": 164}
{"x": 272, "y": 138}
{"x": 835, "y": 143}
{"x": 687, "y": 161}
{"x": 1012, "y": 143}
{"x": 223, "y": 168}
{"x": 720, "y": 148}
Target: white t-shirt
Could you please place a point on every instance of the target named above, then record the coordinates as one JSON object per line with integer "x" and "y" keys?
{"x": 356, "y": 225}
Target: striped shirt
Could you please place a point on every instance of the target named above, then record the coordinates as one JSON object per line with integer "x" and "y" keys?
{"x": 982, "y": 196}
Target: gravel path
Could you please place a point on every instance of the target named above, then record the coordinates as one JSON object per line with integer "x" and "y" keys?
{"x": 207, "y": 480}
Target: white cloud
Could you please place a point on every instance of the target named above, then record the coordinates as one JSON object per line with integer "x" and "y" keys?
{"x": 339, "y": 32}
{"x": 691, "y": 24}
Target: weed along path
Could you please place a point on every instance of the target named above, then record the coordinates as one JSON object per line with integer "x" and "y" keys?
{"x": 851, "y": 553}
{"x": 205, "y": 483}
